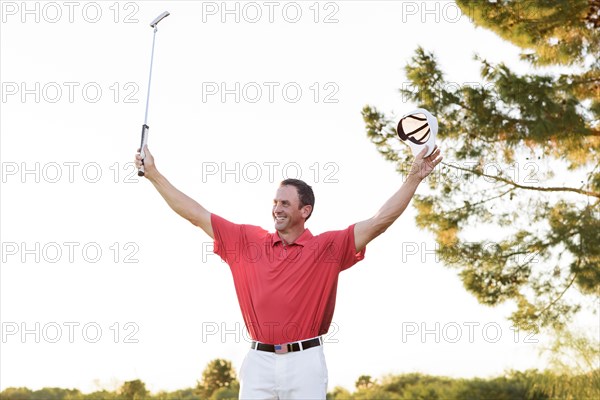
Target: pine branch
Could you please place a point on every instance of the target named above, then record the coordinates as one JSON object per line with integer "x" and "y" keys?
{"x": 559, "y": 296}
{"x": 538, "y": 188}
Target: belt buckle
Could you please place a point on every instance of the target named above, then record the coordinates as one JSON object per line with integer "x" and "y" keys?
{"x": 281, "y": 348}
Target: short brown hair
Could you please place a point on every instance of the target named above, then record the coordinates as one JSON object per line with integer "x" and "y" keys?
{"x": 305, "y": 193}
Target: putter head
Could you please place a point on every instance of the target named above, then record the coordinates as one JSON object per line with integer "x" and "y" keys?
{"x": 159, "y": 18}
{"x": 418, "y": 129}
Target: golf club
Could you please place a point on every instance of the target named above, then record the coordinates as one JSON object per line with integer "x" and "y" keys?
{"x": 145, "y": 127}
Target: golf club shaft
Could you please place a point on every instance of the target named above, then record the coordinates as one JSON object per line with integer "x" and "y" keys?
{"x": 150, "y": 76}
{"x": 145, "y": 127}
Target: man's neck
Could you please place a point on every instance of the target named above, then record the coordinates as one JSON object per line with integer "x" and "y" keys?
{"x": 290, "y": 237}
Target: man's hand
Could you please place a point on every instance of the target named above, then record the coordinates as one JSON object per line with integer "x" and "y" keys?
{"x": 149, "y": 167}
{"x": 422, "y": 166}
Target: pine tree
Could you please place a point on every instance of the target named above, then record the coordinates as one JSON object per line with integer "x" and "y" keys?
{"x": 516, "y": 206}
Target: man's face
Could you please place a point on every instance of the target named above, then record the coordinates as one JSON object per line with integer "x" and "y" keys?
{"x": 286, "y": 209}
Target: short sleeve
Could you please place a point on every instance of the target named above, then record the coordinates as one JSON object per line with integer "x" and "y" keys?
{"x": 349, "y": 254}
{"x": 338, "y": 248}
{"x": 231, "y": 239}
{"x": 227, "y": 236}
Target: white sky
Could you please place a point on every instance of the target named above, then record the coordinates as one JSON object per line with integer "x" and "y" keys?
{"x": 178, "y": 293}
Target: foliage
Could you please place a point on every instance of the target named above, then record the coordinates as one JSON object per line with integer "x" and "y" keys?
{"x": 364, "y": 382}
{"x": 227, "y": 393}
{"x": 134, "y": 390}
{"x": 339, "y": 393}
{"x": 528, "y": 24}
{"x": 218, "y": 374}
{"x": 527, "y": 385}
{"x": 184, "y": 394}
{"x": 515, "y": 207}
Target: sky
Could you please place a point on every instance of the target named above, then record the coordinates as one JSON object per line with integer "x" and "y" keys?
{"x": 102, "y": 283}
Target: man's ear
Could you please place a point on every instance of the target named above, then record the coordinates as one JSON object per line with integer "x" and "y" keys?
{"x": 306, "y": 211}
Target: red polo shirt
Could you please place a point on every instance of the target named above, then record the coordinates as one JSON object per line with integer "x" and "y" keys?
{"x": 286, "y": 293}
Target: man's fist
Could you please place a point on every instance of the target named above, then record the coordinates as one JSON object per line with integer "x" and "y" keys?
{"x": 149, "y": 167}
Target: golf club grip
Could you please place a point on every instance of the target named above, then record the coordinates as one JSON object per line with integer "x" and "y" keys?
{"x": 145, "y": 130}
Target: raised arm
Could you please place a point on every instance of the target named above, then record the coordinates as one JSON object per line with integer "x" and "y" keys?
{"x": 182, "y": 204}
{"x": 369, "y": 229}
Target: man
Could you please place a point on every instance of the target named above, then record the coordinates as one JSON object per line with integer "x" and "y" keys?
{"x": 286, "y": 281}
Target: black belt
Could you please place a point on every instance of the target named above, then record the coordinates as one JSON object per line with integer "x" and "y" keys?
{"x": 287, "y": 347}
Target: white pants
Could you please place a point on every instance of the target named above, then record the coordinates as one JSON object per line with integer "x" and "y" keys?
{"x": 297, "y": 375}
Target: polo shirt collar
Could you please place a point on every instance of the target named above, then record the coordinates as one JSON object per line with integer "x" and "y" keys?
{"x": 302, "y": 239}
